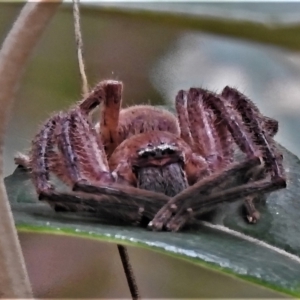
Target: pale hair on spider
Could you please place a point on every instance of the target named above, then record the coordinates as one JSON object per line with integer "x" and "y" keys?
{"x": 145, "y": 165}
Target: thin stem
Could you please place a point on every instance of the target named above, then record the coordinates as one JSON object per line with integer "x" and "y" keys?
{"x": 79, "y": 44}
{"x": 122, "y": 249}
{"x": 134, "y": 291}
{"x": 15, "y": 51}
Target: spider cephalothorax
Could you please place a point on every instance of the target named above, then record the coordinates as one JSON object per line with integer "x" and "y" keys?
{"x": 144, "y": 163}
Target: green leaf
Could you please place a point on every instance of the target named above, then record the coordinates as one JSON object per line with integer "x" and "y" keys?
{"x": 266, "y": 253}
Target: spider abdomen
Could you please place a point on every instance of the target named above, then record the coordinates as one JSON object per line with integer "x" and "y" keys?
{"x": 145, "y": 118}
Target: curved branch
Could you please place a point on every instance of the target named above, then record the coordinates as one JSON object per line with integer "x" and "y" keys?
{"x": 14, "y": 54}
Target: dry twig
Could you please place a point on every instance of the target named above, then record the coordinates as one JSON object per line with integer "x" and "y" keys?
{"x": 79, "y": 44}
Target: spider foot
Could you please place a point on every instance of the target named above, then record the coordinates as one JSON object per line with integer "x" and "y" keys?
{"x": 22, "y": 160}
{"x": 157, "y": 225}
{"x": 252, "y": 214}
{"x": 165, "y": 215}
{"x": 254, "y": 217}
{"x": 177, "y": 223}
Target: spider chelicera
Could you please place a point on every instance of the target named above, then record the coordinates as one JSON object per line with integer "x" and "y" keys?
{"x": 144, "y": 165}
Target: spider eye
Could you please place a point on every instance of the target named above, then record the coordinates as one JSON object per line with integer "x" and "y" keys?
{"x": 167, "y": 151}
{"x": 144, "y": 155}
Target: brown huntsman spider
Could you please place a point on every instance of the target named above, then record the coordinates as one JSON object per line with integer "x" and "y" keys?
{"x": 143, "y": 165}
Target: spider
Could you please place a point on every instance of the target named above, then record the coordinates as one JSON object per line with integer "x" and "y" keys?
{"x": 143, "y": 165}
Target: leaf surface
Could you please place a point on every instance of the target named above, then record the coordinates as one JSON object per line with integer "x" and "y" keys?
{"x": 267, "y": 253}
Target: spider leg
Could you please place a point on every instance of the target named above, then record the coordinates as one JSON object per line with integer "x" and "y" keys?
{"x": 94, "y": 98}
{"x": 110, "y": 115}
{"x": 183, "y": 118}
{"x": 41, "y": 146}
{"x": 209, "y": 132}
{"x": 254, "y": 119}
{"x": 271, "y": 158}
{"x": 194, "y": 193}
{"x": 252, "y": 214}
{"x": 112, "y": 203}
{"x": 262, "y": 129}
{"x": 207, "y": 203}
{"x": 248, "y": 110}
{"x": 79, "y": 144}
{"x": 82, "y": 150}
{"x": 46, "y": 134}
{"x": 204, "y": 131}
{"x": 39, "y": 161}
{"x": 109, "y": 94}
{"x": 209, "y": 142}
{"x": 247, "y": 141}
{"x": 86, "y": 162}
{"x": 148, "y": 202}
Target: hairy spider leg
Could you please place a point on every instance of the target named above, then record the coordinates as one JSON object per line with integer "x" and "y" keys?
{"x": 209, "y": 140}
{"x": 86, "y": 162}
{"x": 245, "y": 106}
{"x": 109, "y": 202}
{"x": 246, "y": 141}
{"x": 94, "y": 98}
{"x": 46, "y": 135}
{"x": 55, "y": 164}
{"x": 73, "y": 127}
{"x": 194, "y": 193}
{"x": 274, "y": 177}
{"x": 109, "y": 118}
{"x": 42, "y": 158}
{"x": 84, "y": 130}
{"x": 209, "y": 132}
{"x": 61, "y": 129}
{"x": 183, "y": 118}
{"x": 229, "y": 195}
{"x": 254, "y": 120}
{"x": 118, "y": 124}
{"x": 81, "y": 158}
{"x": 146, "y": 202}
{"x": 268, "y": 126}
{"x": 82, "y": 150}
{"x": 42, "y": 145}
{"x": 42, "y": 148}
